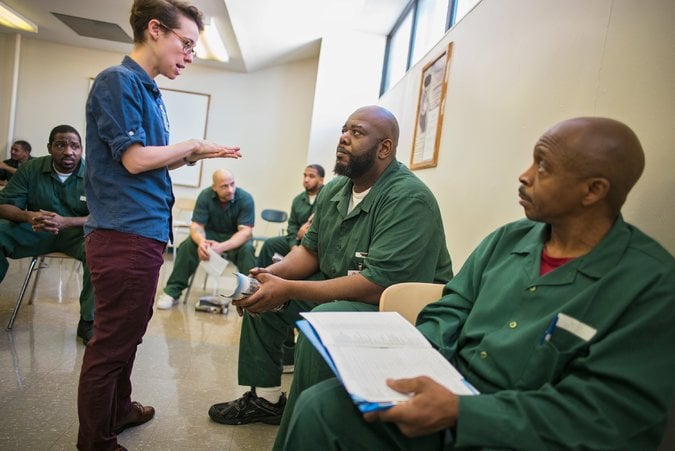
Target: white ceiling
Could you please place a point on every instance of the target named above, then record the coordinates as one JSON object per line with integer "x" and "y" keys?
{"x": 257, "y": 33}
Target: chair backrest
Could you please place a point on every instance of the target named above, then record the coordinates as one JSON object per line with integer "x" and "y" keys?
{"x": 408, "y": 298}
{"x": 182, "y": 211}
{"x": 274, "y": 215}
{"x": 183, "y": 208}
{"x": 269, "y": 216}
{"x": 182, "y": 218}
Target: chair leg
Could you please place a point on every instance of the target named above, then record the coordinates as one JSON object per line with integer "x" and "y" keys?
{"x": 31, "y": 267}
{"x": 41, "y": 265}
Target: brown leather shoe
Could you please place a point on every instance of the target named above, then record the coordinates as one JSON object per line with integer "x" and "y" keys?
{"x": 137, "y": 416}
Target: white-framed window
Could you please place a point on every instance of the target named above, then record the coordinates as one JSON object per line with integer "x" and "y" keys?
{"x": 421, "y": 25}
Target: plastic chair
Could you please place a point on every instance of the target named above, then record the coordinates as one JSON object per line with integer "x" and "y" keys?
{"x": 276, "y": 216}
{"x": 270, "y": 216}
{"x": 36, "y": 264}
{"x": 409, "y": 298}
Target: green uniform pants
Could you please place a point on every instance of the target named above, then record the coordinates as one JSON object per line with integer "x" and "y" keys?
{"x": 276, "y": 244}
{"x": 187, "y": 260}
{"x": 310, "y": 368}
{"x": 326, "y": 418}
{"x": 18, "y": 240}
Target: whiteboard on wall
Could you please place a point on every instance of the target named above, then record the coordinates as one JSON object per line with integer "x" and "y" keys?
{"x": 188, "y": 113}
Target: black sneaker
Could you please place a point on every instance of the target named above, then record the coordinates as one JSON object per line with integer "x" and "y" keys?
{"x": 85, "y": 330}
{"x": 248, "y": 409}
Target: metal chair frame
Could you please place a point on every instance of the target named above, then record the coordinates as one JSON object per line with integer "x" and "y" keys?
{"x": 36, "y": 264}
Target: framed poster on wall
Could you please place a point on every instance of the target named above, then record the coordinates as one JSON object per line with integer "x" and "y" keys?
{"x": 188, "y": 116}
{"x": 430, "y": 108}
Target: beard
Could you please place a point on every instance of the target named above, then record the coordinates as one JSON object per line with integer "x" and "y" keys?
{"x": 357, "y": 165}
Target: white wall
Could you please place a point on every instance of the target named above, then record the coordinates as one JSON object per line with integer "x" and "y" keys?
{"x": 348, "y": 77}
{"x": 520, "y": 66}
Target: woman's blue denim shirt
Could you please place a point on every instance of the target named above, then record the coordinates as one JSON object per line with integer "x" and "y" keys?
{"x": 125, "y": 107}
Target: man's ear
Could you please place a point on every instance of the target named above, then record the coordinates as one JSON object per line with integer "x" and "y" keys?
{"x": 597, "y": 189}
{"x": 386, "y": 148}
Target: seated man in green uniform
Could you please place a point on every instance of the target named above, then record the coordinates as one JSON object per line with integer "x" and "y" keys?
{"x": 563, "y": 322}
{"x": 20, "y": 153}
{"x": 375, "y": 225}
{"x": 222, "y": 221}
{"x": 298, "y": 222}
{"x": 43, "y": 209}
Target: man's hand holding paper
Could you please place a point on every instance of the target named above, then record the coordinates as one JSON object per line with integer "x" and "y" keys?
{"x": 214, "y": 264}
{"x": 430, "y": 409}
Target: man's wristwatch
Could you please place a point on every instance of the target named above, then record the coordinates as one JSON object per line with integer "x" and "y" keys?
{"x": 188, "y": 162}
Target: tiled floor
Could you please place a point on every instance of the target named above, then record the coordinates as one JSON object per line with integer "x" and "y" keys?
{"x": 188, "y": 361}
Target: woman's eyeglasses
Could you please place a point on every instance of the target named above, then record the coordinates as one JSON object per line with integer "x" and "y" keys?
{"x": 188, "y": 45}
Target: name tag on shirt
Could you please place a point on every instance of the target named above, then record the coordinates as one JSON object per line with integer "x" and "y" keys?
{"x": 359, "y": 265}
{"x": 576, "y": 327}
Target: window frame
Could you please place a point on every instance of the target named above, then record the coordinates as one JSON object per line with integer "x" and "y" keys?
{"x": 385, "y": 83}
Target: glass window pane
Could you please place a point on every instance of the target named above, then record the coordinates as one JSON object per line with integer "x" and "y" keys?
{"x": 399, "y": 45}
{"x": 431, "y": 19}
{"x": 463, "y": 7}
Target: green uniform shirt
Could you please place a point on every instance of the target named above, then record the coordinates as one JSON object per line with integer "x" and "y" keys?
{"x": 604, "y": 380}
{"x": 394, "y": 235}
{"x": 6, "y": 175}
{"x": 36, "y": 186}
{"x": 301, "y": 210}
{"x": 221, "y": 222}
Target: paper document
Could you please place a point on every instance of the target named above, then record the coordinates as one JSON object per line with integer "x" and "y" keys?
{"x": 215, "y": 265}
{"x": 364, "y": 349}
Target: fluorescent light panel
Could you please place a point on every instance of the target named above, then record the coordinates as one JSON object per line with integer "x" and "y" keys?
{"x": 12, "y": 19}
{"x": 210, "y": 45}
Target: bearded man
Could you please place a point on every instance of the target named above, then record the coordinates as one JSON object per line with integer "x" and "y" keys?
{"x": 375, "y": 225}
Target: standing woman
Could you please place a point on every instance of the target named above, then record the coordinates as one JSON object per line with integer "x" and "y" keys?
{"x": 129, "y": 197}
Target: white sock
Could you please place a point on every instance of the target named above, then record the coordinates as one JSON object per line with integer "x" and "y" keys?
{"x": 271, "y": 394}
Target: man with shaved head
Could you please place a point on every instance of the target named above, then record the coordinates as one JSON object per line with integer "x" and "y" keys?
{"x": 222, "y": 221}
{"x": 374, "y": 225}
{"x": 563, "y": 321}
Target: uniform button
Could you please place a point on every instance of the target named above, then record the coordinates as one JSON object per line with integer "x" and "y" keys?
{"x": 533, "y": 289}
{"x": 513, "y": 324}
{"x": 131, "y": 133}
{"x": 483, "y": 354}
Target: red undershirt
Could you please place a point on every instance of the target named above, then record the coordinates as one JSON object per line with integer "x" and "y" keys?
{"x": 548, "y": 263}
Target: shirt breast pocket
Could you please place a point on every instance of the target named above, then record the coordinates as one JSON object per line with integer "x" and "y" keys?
{"x": 549, "y": 359}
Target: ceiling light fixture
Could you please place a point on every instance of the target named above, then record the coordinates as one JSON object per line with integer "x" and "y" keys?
{"x": 12, "y": 19}
{"x": 210, "y": 45}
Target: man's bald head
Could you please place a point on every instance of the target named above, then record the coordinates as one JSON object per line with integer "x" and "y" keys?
{"x": 221, "y": 174}
{"x": 602, "y": 147}
{"x": 382, "y": 120}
